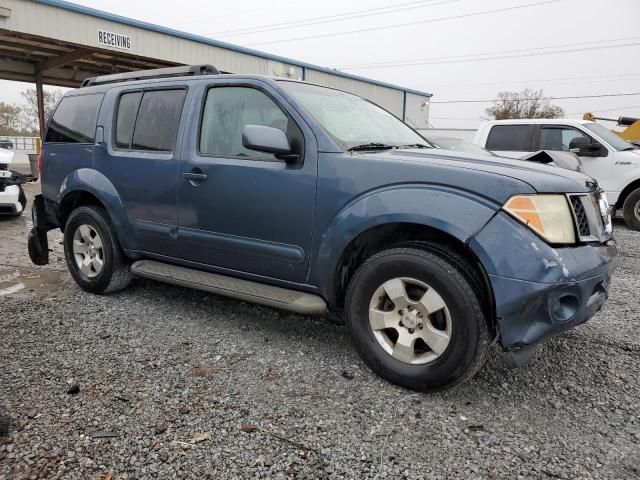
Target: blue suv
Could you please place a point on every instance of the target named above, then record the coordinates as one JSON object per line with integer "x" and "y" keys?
{"x": 307, "y": 198}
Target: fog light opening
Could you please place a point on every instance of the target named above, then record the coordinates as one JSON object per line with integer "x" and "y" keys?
{"x": 564, "y": 307}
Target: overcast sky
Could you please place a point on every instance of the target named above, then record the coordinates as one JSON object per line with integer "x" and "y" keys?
{"x": 442, "y": 40}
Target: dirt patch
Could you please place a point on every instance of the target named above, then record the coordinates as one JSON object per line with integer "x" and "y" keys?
{"x": 22, "y": 281}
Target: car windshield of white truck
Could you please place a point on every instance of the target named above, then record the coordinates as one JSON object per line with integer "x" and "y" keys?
{"x": 608, "y": 136}
{"x": 353, "y": 121}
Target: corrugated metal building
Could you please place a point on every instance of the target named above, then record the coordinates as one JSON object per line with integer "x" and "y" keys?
{"x": 61, "y": 43}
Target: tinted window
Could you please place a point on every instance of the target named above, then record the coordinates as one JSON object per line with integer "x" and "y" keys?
{"x": 227, "y": 111}
{"x": 510, "y": 137}
{"x": 74, "y": 121}
{"x": 158, "y": 119}
{"x": 558, "y": 138}
{"x": 127, "y": 112}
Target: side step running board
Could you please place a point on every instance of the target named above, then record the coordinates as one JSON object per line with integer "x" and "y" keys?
{"x": 277, "y": 297}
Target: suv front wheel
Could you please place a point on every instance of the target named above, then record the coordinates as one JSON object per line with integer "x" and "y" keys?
{"x": 416, "y": 320}
{"x": 93, "y": 254}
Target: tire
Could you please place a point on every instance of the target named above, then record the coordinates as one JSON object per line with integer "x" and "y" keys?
{"x": 631, "y": 210}
{"x": 108, "y": 269}
{"x": 420, "y": 271}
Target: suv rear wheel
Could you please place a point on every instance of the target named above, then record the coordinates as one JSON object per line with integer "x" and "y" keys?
{"x": 415, "y": 319}
{"x": 631, "y": 209}
{"x": 93, "y": 254}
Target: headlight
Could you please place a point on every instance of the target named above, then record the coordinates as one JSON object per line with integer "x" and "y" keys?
{"x": 605, "y": 211}
{"x": 547, "y": 215}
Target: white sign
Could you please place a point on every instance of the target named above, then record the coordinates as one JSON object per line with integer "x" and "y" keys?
{"x": 114, "y": 40}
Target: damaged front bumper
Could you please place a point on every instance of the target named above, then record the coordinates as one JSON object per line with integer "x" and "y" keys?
{"x": 540, "y": 291}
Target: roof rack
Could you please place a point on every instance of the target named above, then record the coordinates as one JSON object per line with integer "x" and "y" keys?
{"x": 185, "y": 71}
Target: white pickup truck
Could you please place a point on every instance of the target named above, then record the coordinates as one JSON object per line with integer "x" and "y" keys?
{"x": 614, "y": 163}
{"x": 12, "y": 197}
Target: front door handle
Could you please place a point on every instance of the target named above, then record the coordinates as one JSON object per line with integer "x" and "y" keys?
{"x": 195, "y": 176}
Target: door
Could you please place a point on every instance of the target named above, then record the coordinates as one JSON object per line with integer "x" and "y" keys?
{"x": 241, "y": 209}
{"x": 559, "y": 137}
{"x": 138, "y": 158}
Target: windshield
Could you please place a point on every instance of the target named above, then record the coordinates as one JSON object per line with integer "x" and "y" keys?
{"x": 351, "y": 120}
{"x": 608, "y": 136}
{"x": 458, "y": 145}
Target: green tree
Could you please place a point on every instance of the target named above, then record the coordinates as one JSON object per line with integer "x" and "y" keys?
{"x": 525, "y": 104}
{"x": 30, "y": 110}
{"x": 10, "y": 119}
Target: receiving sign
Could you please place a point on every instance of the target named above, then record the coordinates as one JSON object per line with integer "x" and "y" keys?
{"x": 114, "y": 40}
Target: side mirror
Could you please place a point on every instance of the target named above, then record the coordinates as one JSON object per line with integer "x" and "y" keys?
{"x": 583, "y": 147}
{"x": 266, "y": 139}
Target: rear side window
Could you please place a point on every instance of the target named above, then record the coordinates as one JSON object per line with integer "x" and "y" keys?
{"x": 510, "y": 138}
{"x": 149, "y": 120}
{"x": 127, "y": 113}
{"x": 74, "y": 121}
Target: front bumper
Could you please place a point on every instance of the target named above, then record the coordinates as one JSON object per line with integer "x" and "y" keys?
{"x": 541, "y": 291}
{"x": 10, "y": 200}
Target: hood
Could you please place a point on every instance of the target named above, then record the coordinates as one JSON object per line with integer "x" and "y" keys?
{"x": 6, "y": 156}
{"x": 542, "y": 178}
{"x": 635, "y": 152}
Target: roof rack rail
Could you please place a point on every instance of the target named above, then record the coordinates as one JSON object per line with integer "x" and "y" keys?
{"x": 188, "y": 70}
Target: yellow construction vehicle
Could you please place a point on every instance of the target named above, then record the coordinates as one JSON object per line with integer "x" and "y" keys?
{"x": 630, "y": 134}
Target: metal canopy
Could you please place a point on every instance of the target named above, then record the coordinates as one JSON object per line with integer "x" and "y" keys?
{"x": 25, "y": 57}
{"x": 56, "y": 42}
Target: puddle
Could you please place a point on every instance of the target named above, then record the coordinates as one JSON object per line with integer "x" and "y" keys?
{"x": 25, "y": 281}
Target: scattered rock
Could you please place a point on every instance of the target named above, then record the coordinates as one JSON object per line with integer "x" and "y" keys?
{"x": 163, "y": 456}
{"x": 184, "y": 409}
{"x": 200, "y": 437}
{"x": 104, "y": 434}
{"x": 74, "y": 389}
{"x": 249, "y": 427}
{"x": 161, "y": 427}
{"x": 4, "y": 426}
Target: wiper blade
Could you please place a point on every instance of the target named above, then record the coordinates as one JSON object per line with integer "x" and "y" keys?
{"x": 371, "y": 146}
{"x": 415, "y": 145}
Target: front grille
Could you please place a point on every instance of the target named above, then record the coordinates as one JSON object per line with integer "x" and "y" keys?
{"x": 582, "y": 222}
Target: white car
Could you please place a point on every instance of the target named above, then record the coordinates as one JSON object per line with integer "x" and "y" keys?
{"x": 613, "y": 162}
{"x": 12, "y": 197}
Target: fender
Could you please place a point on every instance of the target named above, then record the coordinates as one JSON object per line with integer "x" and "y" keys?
{"x": 458, "y": 213}
{"x": 95, "y": 183}
{"x": 626, "y": 171}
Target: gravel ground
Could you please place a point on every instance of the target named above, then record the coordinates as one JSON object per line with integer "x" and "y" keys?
{"x": 163, "y": 382}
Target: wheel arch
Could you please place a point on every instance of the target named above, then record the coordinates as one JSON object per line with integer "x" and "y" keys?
{"x": 631, "y": 187}
{"x": 90, "y": 187}
{"x": 408, "y": 234}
